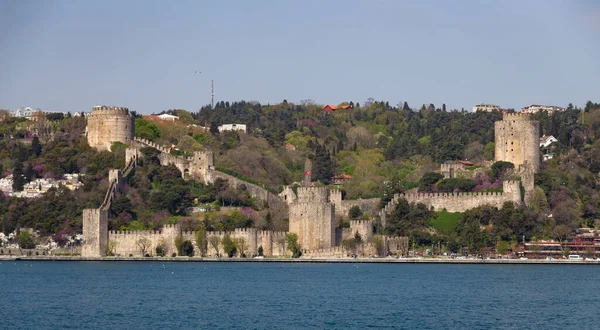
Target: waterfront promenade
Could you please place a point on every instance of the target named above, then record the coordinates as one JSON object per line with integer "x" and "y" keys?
{"x": 312, "y": 260}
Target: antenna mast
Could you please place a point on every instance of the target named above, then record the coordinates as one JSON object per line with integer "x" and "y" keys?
{"x": 212, "y": 94}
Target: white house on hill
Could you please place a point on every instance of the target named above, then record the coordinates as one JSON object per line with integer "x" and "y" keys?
{"x": 232, "y": 127}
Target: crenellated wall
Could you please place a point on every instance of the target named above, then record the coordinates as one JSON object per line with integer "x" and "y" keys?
{"x": 201, "y": 166}
{"x": 312, "y": 218}
{"x": 125, "y": 243}
{"x": 458, "y": 202}
{"x": 342, "y": 207}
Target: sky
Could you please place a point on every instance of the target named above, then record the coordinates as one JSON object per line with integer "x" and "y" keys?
{"x": 71, "y": 55}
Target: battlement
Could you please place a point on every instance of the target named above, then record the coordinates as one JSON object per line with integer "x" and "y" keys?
{"x": 359, "y": 223}
{"x": 172, "y": 227}
{"x": 313, "y": 195}
{"x": 133, "y": 232}
{"x": 516, "y": 116}
{"x": 244, "y": 230}
{"x": 110, "y": 110}
{"x": 450, "y": 195}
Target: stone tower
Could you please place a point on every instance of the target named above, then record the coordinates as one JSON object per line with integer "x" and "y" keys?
{"x": 312, "y": 218}
{"x": 518, "y": 140}
{"x": 106, "y": 125}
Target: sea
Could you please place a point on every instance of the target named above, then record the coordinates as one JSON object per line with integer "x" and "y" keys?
{"x": 223, "y": 295}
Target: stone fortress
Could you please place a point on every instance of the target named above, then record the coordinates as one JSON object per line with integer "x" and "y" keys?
{"x": 314, "y": 212}
{"x": 106, "y": 125}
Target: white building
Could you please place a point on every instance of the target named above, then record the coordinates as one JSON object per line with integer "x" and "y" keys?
{"x": 536, "y": 108}
{"x": 28, "y": 112}
{"x": 547, "y": 140}
{"x": 166, "y": 116}
{"x": 486, "y": 107}
{"x": 232, "y": 127}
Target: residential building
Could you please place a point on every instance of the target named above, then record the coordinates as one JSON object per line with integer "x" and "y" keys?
{"x": 331, "y": 108}
{"x": 232, "y": 127}
{"x": 547, "y": 140}
{"x": 536, "y": 108}
{"x": 486, "y": 107}
{"x": 168, "y": 117}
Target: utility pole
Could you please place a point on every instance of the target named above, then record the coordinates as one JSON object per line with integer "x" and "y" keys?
{"x": 212, "y": 94}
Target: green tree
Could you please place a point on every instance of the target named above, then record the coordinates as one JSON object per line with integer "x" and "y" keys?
{"x": 229, "y": 246}
{"x": 187, "y": 248}
{"x": 36, "y": 146}
{"x": 355, "y": 212}
{"x": 291, "y": 240}
{"x": 323, "y": 165}
{"x": 215, "y": 241}
{"x": 201, "y": 241}
{"x": 146, "y": 130}
{"x": 429, "y": 180}
{"x": 489, "y": 151}
{"x": 25, "y": 240}
{"x": 18, "y": 177}
{"x": 179, "y": 244}
{"x": 500, "y": 168}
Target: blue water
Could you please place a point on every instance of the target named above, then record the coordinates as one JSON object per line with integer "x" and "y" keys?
{"x": 145, "y": 295}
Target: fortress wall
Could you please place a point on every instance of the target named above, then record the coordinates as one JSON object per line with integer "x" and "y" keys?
{"x": 342, "y": 207}
{"x": 95, "y": 236}
{"x": 255, "y": 191}
{"x": 517, "y": 140}
{"x": 313, "y": 223}
{"x": 363, "y": 227}
{"x": 272, "y": 242}
{"x": 458, "y": 202}
{"x": 370, "y": 206}
{"x": 333, "y": 252}
{"x": 126, "y": 242}
{"x": 106, "y": 125}
{"x": 396, "y": 244}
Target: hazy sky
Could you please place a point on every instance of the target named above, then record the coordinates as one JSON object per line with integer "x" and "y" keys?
{"x": 71, "y": 55}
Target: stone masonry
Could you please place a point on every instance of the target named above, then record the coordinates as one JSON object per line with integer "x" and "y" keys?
{"x": 517, "y": 138}
{"x": 106, "y": 125}
{"x": 312, "y": 218}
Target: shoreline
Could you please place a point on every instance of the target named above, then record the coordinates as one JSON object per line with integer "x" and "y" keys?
{"x": 310, "y": 260}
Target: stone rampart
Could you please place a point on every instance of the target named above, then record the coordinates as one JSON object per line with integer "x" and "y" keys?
{"x": 272, "y": 242}
{"x": 458, "y": 202}
{"x": 313, "y": 195}
{"x": 95, "y": 227}
{"x": 333, "y": 252}
{"x": 314, "y": 223}
{"x": 396, "y": 244}
{"x": 106, "y": 125}
{"x": 517, "y": 138}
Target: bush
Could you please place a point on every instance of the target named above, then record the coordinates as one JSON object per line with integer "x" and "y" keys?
{"x": 260, "y": 251}
{"x": 25, "y": 240}
{"x": 449, "y": 185}
{"x": 355, "y": 212}
{"x": 173, "y": 255}
{"x": 187, "y": 249}
{"x": 229, "y": 246}
{"x": 160, "y": 250}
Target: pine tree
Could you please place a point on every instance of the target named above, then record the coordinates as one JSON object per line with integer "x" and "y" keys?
{"x": 322, "y": 165}
{"x": 18, "y": 177}
{"x": 36, "y": 146}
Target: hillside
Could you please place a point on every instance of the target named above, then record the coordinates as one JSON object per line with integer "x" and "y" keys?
{"x": 379, "y": 148}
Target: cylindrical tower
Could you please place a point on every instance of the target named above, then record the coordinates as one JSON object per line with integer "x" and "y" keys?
{"x": 518, "y": 140}
{"x": 106, "y": 125}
